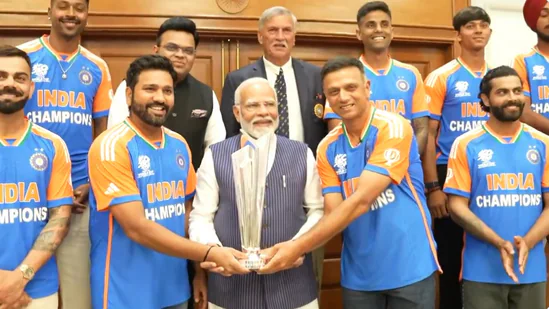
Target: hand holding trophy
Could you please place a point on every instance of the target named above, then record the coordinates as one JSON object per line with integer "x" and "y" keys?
{"x": 250, "y": 165}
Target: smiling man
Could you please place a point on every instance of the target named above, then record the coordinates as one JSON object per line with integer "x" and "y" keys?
{"x": 396, "y": 87}
{"x": 196, "y": 113}
{"x": 498, "y": 183}
{"x": 72, "y": 97}
{"x": 297, "y": 83}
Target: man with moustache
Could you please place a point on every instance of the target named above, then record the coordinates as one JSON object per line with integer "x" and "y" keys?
{"x": 532, "y": 65}
{"x": 372, "y": 184}
{"x": 396, "y": 86}
{"x": 73, "y": 94}
{"x": 196, "y": 113}
{"x": 293, "y": 204}
{"x": 143, "y": 183}
{"x": 297, "y": 84}
{"x": 498, "y": 182}
{"x": 452, "y": 92}
{"x": 35, "y": 204}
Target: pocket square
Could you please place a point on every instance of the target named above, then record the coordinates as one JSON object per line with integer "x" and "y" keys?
{"x": 199, "y": 113}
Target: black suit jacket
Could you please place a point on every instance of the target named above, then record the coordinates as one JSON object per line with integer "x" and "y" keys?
{"x": 309, "y": 88}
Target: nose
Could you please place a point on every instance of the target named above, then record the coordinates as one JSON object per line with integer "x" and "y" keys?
{"x": 159, "y": 96}
{"x": 280, "y": 34}
{"x": 262, "y": 110}
{"x": 71, "y": 11}
{"x": 344, "y": 96}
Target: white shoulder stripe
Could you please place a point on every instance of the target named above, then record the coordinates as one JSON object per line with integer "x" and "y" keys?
{"x": 396, "y": 126}
{"x": 108, "y": 144}
{"x": 459, "y": 139}
{"x": 432, "y": 78}
{"x": 29, "y": 44}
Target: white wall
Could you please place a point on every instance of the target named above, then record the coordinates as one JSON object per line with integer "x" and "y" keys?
{"x": 510, "y": 35}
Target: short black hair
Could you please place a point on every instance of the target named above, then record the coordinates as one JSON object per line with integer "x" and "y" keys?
{"x": 468, "y": 15}
{"x": 372, "y": 6}
{"x": 146, "y": 63}
{"x": 486, "y": 83}
{"x": 178, "y": 23}
{"x": 11, "y": 51}
{"x": 338, "y": 63}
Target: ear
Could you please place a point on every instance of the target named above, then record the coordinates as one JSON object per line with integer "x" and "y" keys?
{"x": 155, "y": 49}
{"x": 357, "y": 33}
{"x": 49, "y": 13}
{"x": 485, "y": 99}
{"x": 236, "y": 112}
{"x": 128, "y": 96}
{"x": 31, "y": 90}
{"x": 260, "y": 38}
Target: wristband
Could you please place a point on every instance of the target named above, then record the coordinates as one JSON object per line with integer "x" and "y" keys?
{"x": 207, "y": 252}
{"x": 432, "y": 185}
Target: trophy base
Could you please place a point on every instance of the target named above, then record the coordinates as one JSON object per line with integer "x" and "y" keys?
{"x": 254, "y": 261}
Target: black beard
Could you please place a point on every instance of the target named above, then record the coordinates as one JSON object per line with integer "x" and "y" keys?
{"x": 499, "y": 112}
{"x": 9, "y": 107}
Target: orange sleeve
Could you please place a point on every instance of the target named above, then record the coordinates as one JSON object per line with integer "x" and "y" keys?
{"x": 103, "y": 98}
{"x": 419, "y": 100}
{"x": 435, "y": 90}
{"x": 328, "y": 177}
{"x": 190, "y": 189}
{"x": 391, "y": 153}
{"x": 60, "y": 191}
{"x": 458, "y": 177}
{"x": 520, "y": 66}
{"x": 111, "y": 176}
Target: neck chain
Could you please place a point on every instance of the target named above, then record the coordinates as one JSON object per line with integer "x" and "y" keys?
{"x": 64, "y": 75}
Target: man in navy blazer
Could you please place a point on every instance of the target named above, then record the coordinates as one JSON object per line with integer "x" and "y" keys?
{"x": 305, "y": 98}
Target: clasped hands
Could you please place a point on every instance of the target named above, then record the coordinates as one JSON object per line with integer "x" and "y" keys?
{"x": 507, "y": 252}
{"x": 227, "y": 261}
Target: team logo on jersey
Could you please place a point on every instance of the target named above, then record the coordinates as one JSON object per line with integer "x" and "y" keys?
{"x": 38, "y": 160}
{"x": 40, "y": 71}
{"x": 485, "y": 158}
{"x": 144, "y": 163}
{"x": 532, "y": 155}
{"x": 340, "y": 163}
{"x": 402, "y": 85}
{"x": 461, "y": 88}
{"x": 85, "y": 77}
{"x": 319, "y": 110}
{"x": 391, "y": 155}
{"x": 539, "y": 72}
{"x": 180, "y": 160}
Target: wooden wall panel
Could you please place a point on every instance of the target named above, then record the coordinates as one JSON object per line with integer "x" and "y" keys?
{"x": 318, "y": 18}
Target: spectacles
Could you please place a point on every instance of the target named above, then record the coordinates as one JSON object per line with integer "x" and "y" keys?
{"x": 255, "y": 106}
{"x": 174, "y": 48}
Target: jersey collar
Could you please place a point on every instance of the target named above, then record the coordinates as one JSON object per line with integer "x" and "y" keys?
{"x": 364, "y": 130}
{"x": 376, "y": 72}
{"x": 44, "y": 40}
{"x": 483, "y": 71}
{"x": 20, "y": 139}
{"x": 142, "y": 136}
{"x": 499, "y": 138}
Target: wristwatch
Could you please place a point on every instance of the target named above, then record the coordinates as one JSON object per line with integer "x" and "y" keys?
{"x": 432, "y": 186}
{"x": 28, "y": 272}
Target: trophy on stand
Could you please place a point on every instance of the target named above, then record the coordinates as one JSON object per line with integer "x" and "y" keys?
{"x": 250, "y": 173}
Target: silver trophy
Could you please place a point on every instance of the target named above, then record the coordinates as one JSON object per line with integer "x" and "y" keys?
{"x": 250, "y": 165}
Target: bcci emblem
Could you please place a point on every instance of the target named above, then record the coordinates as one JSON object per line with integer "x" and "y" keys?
{"x": 85, "y": 77}
{"x": 533, "y": 156}
{"x": 180, "y": 160}
{"x": 319, "y": 110}
{"x": 39, "y": 161}
{"x": 402, "y": 85}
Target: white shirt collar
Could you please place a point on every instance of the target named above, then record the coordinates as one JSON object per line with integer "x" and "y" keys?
{"x": 273, "y": 68}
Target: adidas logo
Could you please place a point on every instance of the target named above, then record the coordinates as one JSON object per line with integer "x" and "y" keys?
{"x": 112, "y": 189}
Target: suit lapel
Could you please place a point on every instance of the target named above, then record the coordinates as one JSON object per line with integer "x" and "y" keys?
{"x": 259, "y": 68}
{"x": 302, "y": 89}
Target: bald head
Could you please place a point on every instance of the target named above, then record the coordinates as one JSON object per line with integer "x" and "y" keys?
{"x": 256, "y": 106}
